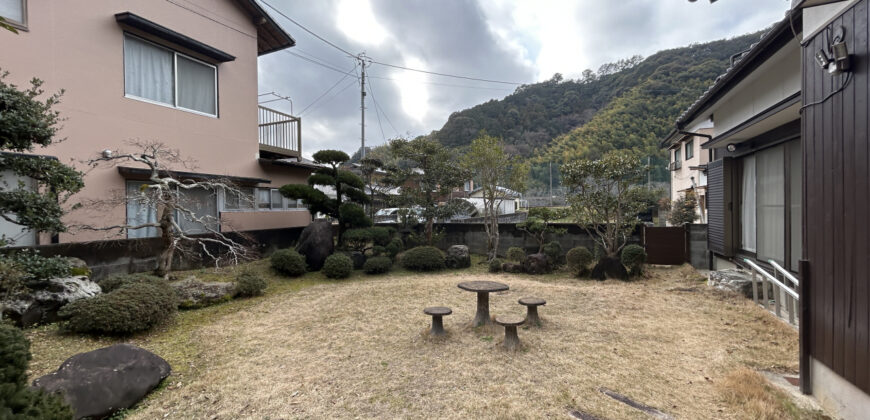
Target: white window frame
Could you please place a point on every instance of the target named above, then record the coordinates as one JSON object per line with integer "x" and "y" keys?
{"x": 175, "y": 55}
{"x": 22, "y": 24}
{"x": 283, "y": 206}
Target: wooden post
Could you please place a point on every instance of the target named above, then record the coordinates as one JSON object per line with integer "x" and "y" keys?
{"x": 804, "y": 327}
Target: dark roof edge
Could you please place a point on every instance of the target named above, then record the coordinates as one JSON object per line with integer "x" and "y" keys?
{"x": 127, "y": 170}
{"x": 777, "y": 37}
{"x": 288, "y": 40}
{"x": 281, "y": 162}
{"x": 135, "y": 21}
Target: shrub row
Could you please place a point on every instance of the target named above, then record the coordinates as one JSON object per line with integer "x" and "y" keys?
{"x": 337, "y": 266}
{"x": 288, "y": 262}
{"x": 423, "y": 258}
{"x": 132, "y": 307}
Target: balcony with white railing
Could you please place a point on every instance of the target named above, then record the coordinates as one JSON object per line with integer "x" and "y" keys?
{"x": 280, "y": 134}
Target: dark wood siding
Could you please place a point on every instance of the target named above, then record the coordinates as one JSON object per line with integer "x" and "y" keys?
{"x": 720, "y": 236}
{"x": 836, "y": 238}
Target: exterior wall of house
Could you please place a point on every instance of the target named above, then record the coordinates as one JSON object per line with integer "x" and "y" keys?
{"x": 681, "y": 179}
{"x": 78, "y": 46}
{"x": 836, "y": 240}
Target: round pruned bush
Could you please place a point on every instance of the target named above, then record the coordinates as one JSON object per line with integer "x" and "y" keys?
{"x": 633, "y": 258}
{"x": 337, "y": 266}
{"x": 516, "y": 254}
{"x": 378, "y": 265}
{"x": 495, "y": 265}
{"x": 357, "y": 239}
{"x": 423, "y": 258}
{"x": 578, "y": 259}
{"x": 288, "y": 262}
{"x": 115, "y": 281}
{"x": 17, "y": 399}
{"x": 553, "y": 251}
{"x": 382, "y": 235}
{"x": 378, "y": 251}
{"x": 249, "y": 284}
{"x": 132, "y": 307}
{"x": 395, "y": 247}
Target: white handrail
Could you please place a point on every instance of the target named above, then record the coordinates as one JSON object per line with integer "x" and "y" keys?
{"x": 771, "y": 278}
{"x": 784, "y": 272}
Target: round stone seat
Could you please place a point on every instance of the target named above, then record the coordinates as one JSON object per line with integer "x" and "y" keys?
{"x": 510, "y": 323}
{"x": 532, "y": 304}
{"x": 437, "y": 312}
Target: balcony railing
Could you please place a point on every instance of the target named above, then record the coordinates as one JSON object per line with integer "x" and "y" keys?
{"x": 280, "y": 133}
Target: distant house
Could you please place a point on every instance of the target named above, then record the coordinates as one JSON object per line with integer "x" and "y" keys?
{"x": 508, "y": 201}
{"x": 688, "y": 165}
{"x": 157, "y": 70}
{"x": 788, "y": 182}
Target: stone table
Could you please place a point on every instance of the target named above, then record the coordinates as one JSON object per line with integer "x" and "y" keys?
{"x": 483, "y": 289}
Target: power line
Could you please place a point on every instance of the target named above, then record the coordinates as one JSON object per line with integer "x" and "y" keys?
{"x": 306, "y": 29}
{"x": 375, "y": 101}
{"x": 445, "y": 74}
{"x": 212, "y": 19}
{"x": 327, "y": 91}
{"x": 315, "y": 62}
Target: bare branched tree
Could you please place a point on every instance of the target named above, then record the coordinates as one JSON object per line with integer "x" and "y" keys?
{"x": 168, "y": 195}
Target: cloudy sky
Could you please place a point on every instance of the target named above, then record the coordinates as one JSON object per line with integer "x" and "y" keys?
{"x": 521, "y": 41}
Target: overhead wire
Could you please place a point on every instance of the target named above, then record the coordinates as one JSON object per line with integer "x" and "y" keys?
{"x": 375, "y": 101}
{"x": 307, "y": 30}
{"x": 346, "y": 74}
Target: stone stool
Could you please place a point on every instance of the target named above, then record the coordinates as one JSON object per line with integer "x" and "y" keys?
{"x": 532, "y": 303}
{"x": 437, "y": 312}
{"x": 510, "y": 323}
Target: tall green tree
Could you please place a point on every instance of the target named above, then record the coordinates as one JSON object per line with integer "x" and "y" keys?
{"x": 606, "y": 198}
{"x": 426, "y": 176}
{"x": 495, "y": 171}
{"x": 35, "y": 201}
{"x": 539, "y": 224}
{"x": 349, "y": 191}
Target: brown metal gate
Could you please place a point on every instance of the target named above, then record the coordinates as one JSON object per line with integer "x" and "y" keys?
{"x": 665, "y": 245}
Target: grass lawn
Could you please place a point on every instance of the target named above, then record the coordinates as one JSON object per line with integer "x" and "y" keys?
{"x": 313, "y": 348}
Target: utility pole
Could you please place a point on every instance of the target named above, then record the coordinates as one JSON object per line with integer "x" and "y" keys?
{"x": 362, "y": 103}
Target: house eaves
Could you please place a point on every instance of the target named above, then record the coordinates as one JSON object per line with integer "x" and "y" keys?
{"x": 781, "y": 34}
{"x": 270, "y": 36}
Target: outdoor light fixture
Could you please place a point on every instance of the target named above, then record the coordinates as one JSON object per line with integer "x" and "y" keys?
{"x": 731, "y": 147}
{"x": 107, "y": 154}
{"x": 822, "y": 59}
{"x": 841, "y": 57}
{"x": 836, "y": 59}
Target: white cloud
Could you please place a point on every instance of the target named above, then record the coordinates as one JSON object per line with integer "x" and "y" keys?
{"x": 414, "y": 93}
{"x": 357, "y": 20}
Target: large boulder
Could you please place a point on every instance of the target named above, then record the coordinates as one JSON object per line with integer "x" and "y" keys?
{"x": 40, "y": 305}
{"x": 101, "y": 382}
{"x": 315, "y": 243}
{"x": 458, "y": 257}
{"x": 512, "y": 267}
{"x": 733, "y": 280}
{"x": 536, "y": 264}
{"x": 609, "y": 268}
{"x": 193, "y": 293}
{"x": 358, "y": 258}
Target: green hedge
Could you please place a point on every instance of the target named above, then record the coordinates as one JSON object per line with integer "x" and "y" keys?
{"x": 516, "y": 254}
{"x": 288, "y": 262}
{"x": 115, "y": 281}
{"x": 423, "y": 258}
{"x": 337, "y": 266}
{"x": 250, "y": 284}
{"x": 578, "y": 259}
{"x": 17, "y": 399}
{"x": 130, "y": 308}
{"x": 382, "y": 235}
{"x": 634, "y": 257}
{"x": 378, "y": 265}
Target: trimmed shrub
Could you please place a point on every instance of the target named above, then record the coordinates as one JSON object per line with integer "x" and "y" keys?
{"x": 553, "y": 251}
{"x": 378, "y": 265}
{"x": 288, "y": 262}
{"x": 516, "y": 254}
{"x": 578, "y": 259}
{"x": 35, "y": 267}
{"x": 378, "y": 251}
{"x": 115, "y": 281}
{"x": 17, "y": 399}
{"x": 395, "y": 247}
{"x": 495, "y": 265}
{"x": 381, "y": 235}
{"x": 130, "y": 308}
{"x": 423, "y": 258}
{"x": 357, "y": 239}
{"x": 249, "y": 284}
{"x": 337, "y": 266}
{"x": 633, "y": 258}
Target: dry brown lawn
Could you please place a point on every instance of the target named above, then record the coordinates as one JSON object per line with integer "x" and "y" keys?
{"x": 359, "y": 349}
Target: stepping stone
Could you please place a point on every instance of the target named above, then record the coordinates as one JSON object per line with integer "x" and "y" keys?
{"x": 437, "y": 312}
{"x": 532, "y": 304}
{"x": 510, "y": 323}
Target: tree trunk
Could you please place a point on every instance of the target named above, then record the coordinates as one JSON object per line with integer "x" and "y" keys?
{"x": 609, "y": 267}
{"x": 164, "y": 261}
{"x": 430, "y": 224}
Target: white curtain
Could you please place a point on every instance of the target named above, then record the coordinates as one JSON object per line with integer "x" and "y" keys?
{"x": 203, "y": 204}
{"x": 747, "y": 208}
{"x": 12, "y": 10}
{"x": 196, "y": 86}
{"x": 148, "y": 71}
{"x": 771, "y": 204}
{"x": 795, "y": 182}
{"x": 139, "y": 212}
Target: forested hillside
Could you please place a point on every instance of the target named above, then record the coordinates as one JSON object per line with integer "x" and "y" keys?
{"x": 628, "y": 104}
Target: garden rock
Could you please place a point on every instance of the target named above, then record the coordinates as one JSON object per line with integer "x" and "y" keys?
{"x": 315, "y": 243}
{"x": 536, "y": 264}
{"x": 40, "y": 306}
{"x": 458, "y": 257}
{"x": 511, "y": 267}
{"x": 733, "y": 280}
{"x": 358, "y": 258}
{"x": 101, "y": 382}
{"x": 193, "y": 293}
